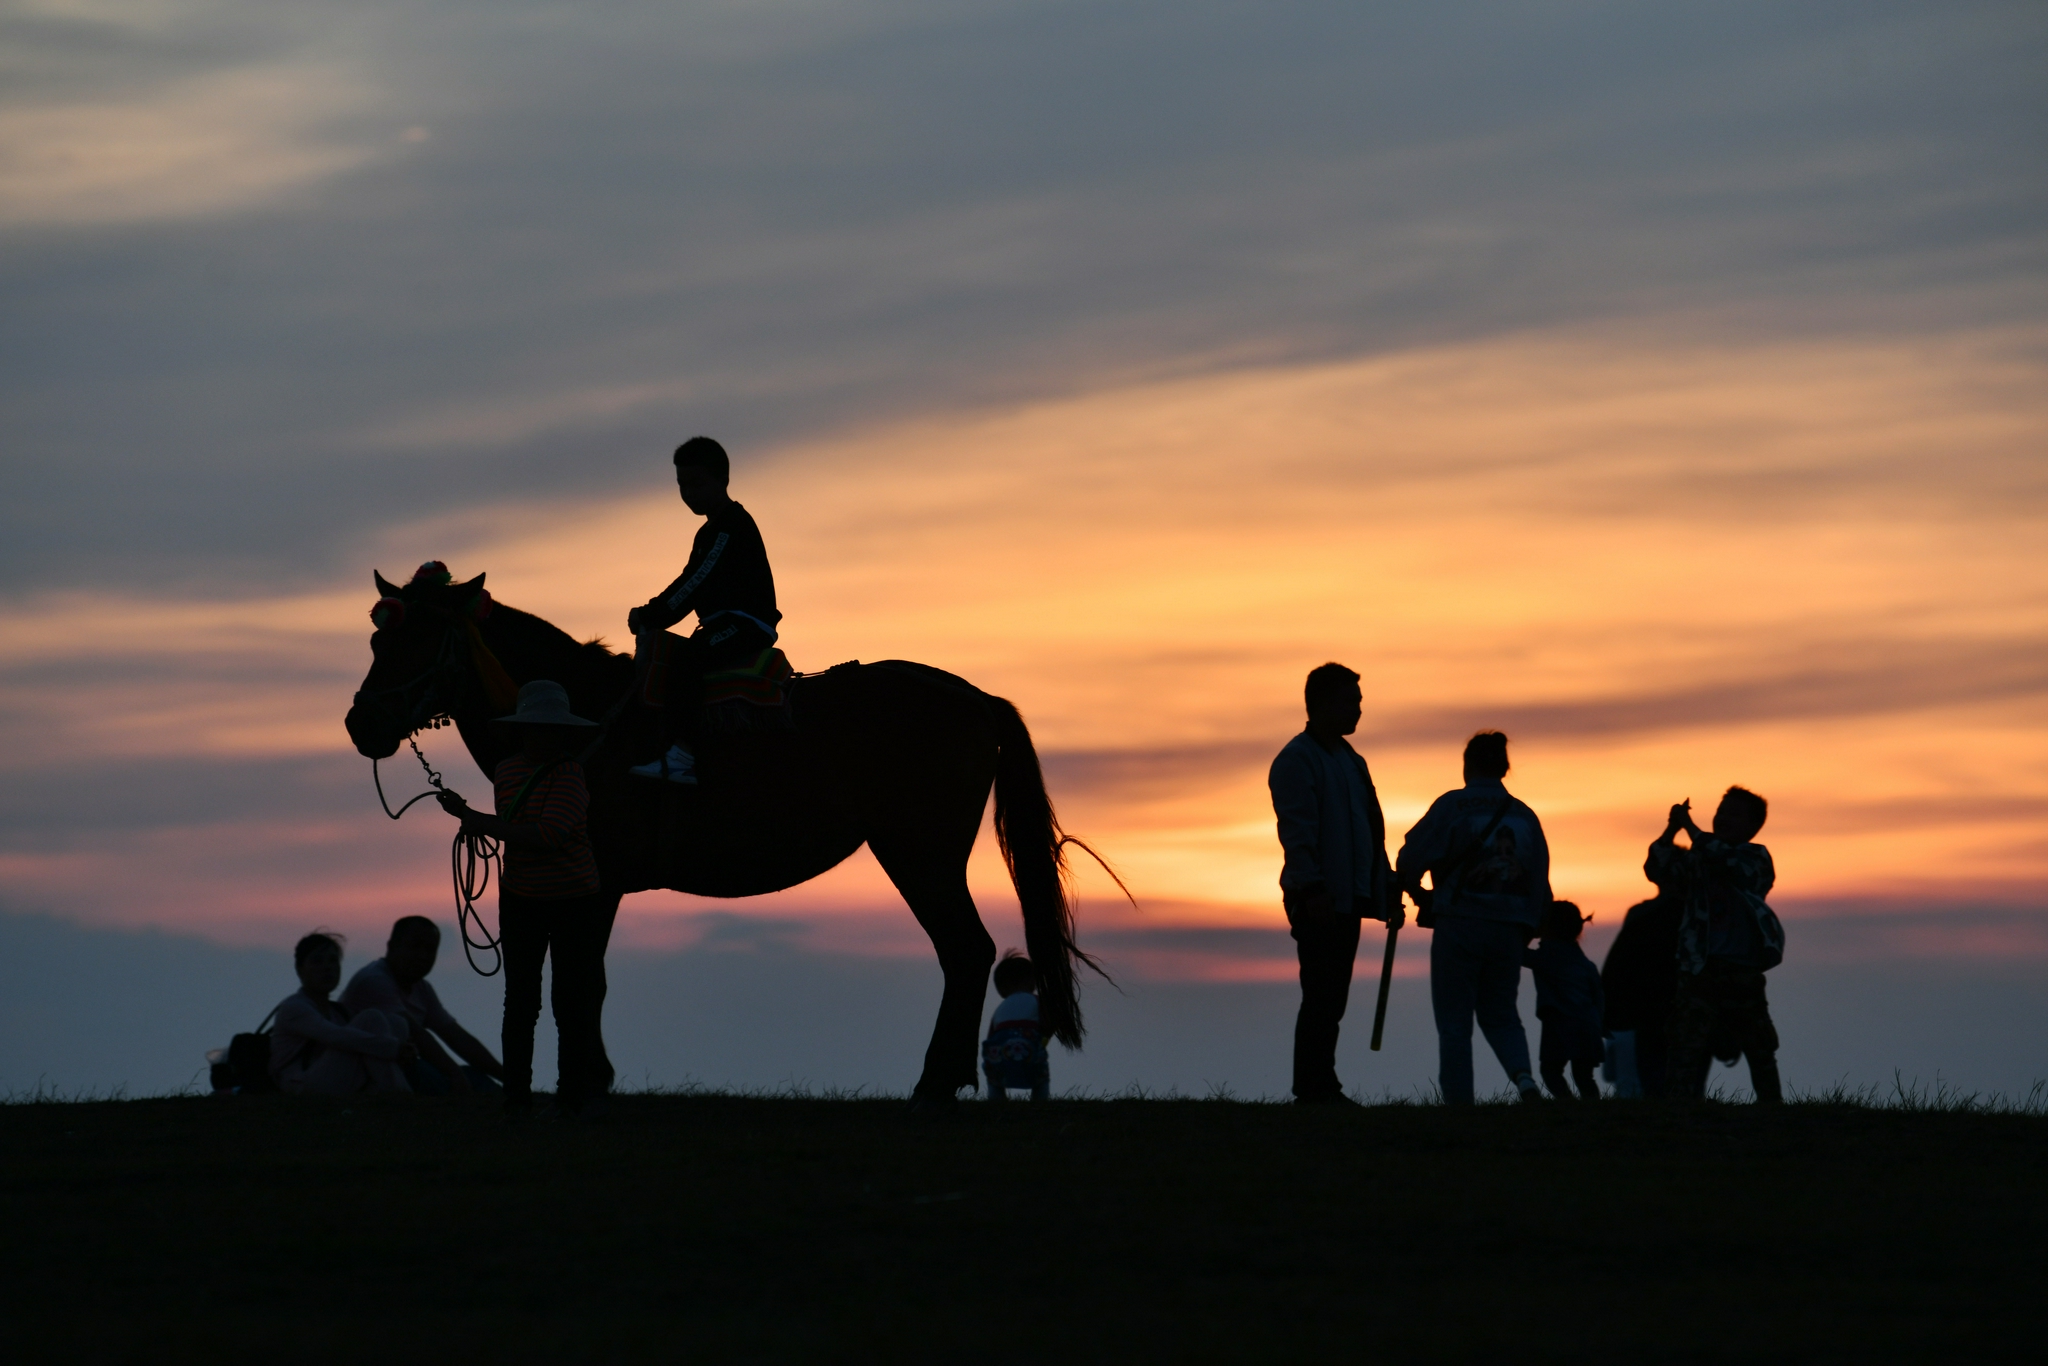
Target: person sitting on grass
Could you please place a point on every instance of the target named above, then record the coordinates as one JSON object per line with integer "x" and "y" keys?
{"x": 1014, "y": 1054}
{"x": 1568, "y": 1002}
{"x": 1728, "y": 937}
{"x": 397, "y": 985}
{"x": 317, "y": 1049}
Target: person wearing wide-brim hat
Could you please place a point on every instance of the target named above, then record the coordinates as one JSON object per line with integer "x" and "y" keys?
{"x": 549, "y": 897}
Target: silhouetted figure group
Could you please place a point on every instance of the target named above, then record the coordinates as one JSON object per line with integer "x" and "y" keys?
{"x": 1683, "y": 984}
{"x": 387, "y": 1031}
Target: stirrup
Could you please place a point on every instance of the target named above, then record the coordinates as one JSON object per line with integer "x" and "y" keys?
{"x": 683, "y": 770}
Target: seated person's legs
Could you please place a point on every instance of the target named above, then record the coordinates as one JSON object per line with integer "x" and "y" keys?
{"x": 384, "y": 1074}
{"x": 338, "y": 1072}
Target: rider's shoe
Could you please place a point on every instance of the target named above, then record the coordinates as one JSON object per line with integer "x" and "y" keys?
{"x": 676, "y": 766}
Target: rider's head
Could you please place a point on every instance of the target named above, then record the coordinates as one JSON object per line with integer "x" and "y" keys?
{"x": 702, "y": 472}
{"x": 1333, "y": 698}
{"x": 1486, "y": 756}
{"x": 410, "y": 952}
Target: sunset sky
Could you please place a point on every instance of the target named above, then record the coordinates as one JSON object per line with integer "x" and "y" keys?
{"x": 1667, "y": 387}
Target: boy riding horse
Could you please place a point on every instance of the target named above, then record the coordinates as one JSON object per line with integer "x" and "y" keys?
{"x": 730, "y": 587}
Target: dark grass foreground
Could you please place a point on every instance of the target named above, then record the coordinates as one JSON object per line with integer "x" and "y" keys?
{"x": 745, "y": 1229}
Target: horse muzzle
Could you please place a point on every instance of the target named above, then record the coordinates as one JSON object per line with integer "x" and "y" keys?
{"x": 376, "y": 731}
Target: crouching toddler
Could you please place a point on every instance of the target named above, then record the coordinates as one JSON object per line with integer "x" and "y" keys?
{"x": 1013, "y": 1055}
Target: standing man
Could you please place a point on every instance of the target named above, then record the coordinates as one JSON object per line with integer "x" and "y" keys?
{"x": 1489, "y": 868}
{"x": 1335, "y": 872}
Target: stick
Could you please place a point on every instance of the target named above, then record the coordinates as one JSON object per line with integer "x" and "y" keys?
{"x": 1379, "y": 1013}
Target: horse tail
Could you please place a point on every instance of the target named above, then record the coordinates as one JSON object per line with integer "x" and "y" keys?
{"x": 1035, "y": 851}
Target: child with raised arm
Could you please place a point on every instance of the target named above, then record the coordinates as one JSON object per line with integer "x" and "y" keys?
{"x": 1014, "y": 1053}
{"x": 1569, "y": 1002}
{"x": 1728, "y": 937}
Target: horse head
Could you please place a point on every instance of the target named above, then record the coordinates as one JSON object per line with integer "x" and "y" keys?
{"x": 419, "y": 656}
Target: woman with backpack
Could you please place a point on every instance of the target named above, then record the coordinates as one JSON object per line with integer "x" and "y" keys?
{"x": 1489, "y": 868}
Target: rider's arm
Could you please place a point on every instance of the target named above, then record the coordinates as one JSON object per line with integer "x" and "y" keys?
{"x": 678, "y": 600}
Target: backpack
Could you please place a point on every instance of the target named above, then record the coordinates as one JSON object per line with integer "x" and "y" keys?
{"x": 1425, "y": 897}
{"x": 1770, "y": 933}
{"x": 246, "y": 1067}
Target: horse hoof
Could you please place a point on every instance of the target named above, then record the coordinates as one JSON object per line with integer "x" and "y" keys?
{"x": 934, "y": 1103}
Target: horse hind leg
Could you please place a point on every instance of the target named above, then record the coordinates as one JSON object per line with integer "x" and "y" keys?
{"x": 935, "y": 885}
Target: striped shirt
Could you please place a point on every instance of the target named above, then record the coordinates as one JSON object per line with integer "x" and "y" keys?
{"x": 559, "y": 863}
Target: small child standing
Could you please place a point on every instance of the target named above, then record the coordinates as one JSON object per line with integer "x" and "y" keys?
{"x": 1569, "y": 1001}
{"x": 1014, "y": 1054}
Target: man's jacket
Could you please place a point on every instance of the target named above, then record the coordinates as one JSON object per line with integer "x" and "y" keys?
{"x": 728, "y": 574}
{"x": 1722, "y": 887}
{"x": 1508, "y": 879}
{"x": 1332, "y": 831}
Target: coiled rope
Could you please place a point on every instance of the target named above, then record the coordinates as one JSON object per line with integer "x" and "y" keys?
{"x": 470, "y": 860}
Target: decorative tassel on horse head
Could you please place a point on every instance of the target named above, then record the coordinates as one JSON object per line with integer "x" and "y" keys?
{"x": 499, "y": 689}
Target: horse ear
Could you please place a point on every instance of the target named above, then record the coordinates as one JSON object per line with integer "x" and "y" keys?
{"x": 385, "y": 588}
{"x": 472, "y": 586}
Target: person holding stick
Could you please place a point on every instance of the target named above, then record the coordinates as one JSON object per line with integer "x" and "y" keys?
{"x": 1334, "y": 874}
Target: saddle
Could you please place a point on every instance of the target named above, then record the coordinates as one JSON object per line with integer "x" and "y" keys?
{"x": 745, "y": 697}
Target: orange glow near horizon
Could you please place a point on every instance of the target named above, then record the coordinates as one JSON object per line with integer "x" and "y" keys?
{"x": 1813, "y": 569}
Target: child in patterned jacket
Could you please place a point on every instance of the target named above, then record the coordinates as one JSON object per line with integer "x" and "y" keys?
{"x": 1013, "y": 1055}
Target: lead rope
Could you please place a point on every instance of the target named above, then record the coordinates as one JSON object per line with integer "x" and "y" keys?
{"x": 470, "y": 859}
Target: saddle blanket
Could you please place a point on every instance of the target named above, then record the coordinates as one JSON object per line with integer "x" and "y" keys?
{"x": 761, "y": 683}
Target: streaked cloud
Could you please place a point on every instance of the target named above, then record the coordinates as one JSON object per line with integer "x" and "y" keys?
{"x": 780, "y": 222}
{"x": 213, "y": 146}
{"x": 1502, "y": 534}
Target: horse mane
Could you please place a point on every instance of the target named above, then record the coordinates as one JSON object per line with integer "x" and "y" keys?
{"x": 538, "y": 633}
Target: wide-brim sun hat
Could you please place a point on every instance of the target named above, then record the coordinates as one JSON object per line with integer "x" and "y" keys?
{"x": 544, "y": 702}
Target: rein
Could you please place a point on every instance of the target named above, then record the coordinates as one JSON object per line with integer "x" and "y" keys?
{"x": 470, "y": 859}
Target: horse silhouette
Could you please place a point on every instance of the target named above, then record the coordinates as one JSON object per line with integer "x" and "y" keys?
{"x": 897, "y": 755}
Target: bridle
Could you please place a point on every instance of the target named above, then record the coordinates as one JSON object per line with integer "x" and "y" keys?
{"x": 418, "y": 713}
{"x": 472, "y": 855}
